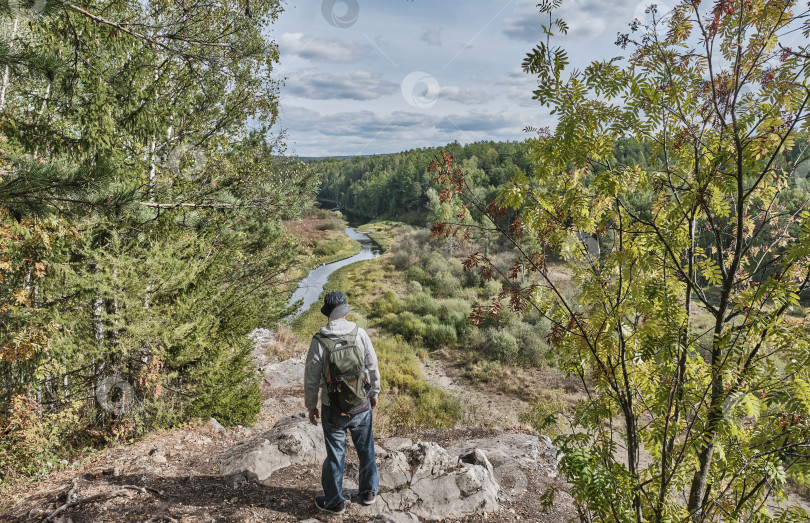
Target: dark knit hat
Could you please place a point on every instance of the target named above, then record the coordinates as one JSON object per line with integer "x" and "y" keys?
{"x": 334, "y": 305}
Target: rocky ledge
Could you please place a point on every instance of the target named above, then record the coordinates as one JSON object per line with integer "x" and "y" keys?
{"x": 417, "y": 479}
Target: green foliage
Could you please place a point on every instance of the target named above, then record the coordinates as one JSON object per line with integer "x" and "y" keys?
{"x": 437, "y": 335}
{"x": 682, "y": 257}
{"x": 411, "y": 326}
{"x": 396, "y": 185}
{"x": 383, "y": 232}
{"x": 415, "y": 403}
{"x": 497, "y": 344}
{"x": 328, "y": 251}
{"x": 544, "y": 414}
{"x": 388, "y": 303}
{"x": 455, "y": 313}
{"x": 422, "y": 304}
{"x": 140, "y": 219}
{"x": 446, "y": 284}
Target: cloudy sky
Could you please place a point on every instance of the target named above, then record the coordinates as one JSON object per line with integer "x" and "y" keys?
{"x": 365, "y": 77}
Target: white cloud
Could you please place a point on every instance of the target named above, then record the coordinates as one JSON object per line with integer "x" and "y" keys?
{"x": 350, "y": 85}
{"x": 432, "y": 35}
{"x": 587, "y": 19}
{"x": 481, "y": 121}
{"x": 363, "y": 132}
{"x": 466, "y": 96}
{"x": 321, "y": 49}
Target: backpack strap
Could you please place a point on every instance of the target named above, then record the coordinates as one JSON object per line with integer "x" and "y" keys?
{"x": 331, "y": 343}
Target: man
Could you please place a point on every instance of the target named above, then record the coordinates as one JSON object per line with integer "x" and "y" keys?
{"x": 341, "y": 333}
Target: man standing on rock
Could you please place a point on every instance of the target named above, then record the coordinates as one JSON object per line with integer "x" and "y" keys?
{"x": 342, "y": 364}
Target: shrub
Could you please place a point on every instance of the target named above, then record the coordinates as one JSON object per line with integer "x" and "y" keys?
{"x": 436, "y": 263}
{"x": 484, "y": 371}
{"x": 446, "y": 284}
{"x": 543, "y": 415}
{"x": 325, "y": 248}
{"x": 401, "y": 259}
{"x": 471, "y": 279}
{"x": 456, "y": 312}
{"x": 388, "y": 303}
{"x": 456, "y": 268}
{"x": 414, "y": 287}
{"x": 418, "y": 274}
{"x": 409, "y": 325}
{"x": 422, "y": 304}
{"x": 437, "y": 335}
{"x": 331, "y": 224}
{"x": 490, "y": 289}
{"x": 532, "y": 347}
{"x": 501, "y": 345}
{"x": 470, "y": 295}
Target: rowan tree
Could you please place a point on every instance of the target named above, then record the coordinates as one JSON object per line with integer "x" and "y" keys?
{"x": 688, "y": 332}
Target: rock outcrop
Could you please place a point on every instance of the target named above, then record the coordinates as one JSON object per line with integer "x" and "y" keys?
{"x": 288, "y": 373}
{"x": 510, "y": 455}
{"x": 420, "y": 479}
{"x": 293, "y": 440}
{"x": 427, "y": 481}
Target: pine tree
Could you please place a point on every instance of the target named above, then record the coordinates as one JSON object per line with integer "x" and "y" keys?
{"x": 140, "y": 218}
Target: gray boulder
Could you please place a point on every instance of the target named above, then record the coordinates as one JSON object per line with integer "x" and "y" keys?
{"x": 215, "y": 425}
{"x": 393, "y": 470}
{"x": 394, "y": 444}
{"x": 293, "y": 440}
{"x": 288, "y": 373}
{"x": 429, "y": 482}
{"x": 511, "y": 455}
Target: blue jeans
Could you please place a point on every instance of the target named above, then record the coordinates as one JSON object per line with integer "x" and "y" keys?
{"x": 335, "y": 438}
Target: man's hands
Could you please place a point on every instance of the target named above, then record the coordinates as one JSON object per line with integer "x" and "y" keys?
{"x": 314, "y": 415}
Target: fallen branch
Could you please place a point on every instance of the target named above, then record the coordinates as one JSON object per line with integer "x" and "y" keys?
{"x": 143, "y": 490}
{"x": 90, "y": 499}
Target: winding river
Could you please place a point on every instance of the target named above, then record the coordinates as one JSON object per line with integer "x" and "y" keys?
{"x": 310, "y": 288}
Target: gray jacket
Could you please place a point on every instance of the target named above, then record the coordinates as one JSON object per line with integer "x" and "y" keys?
{"x": 313, "y": 375}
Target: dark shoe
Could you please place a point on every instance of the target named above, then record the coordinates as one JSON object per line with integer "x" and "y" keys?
{"x": 334, "y": 509}
{"x": 368, "y": 498}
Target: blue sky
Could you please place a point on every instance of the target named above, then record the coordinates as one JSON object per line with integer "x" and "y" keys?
{"x": 365, "y": 77}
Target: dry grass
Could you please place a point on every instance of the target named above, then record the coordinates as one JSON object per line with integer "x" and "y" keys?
{"x": 526, "y": 383}
{"x": 314, "y": 228}
{"x": 285, "y": 344}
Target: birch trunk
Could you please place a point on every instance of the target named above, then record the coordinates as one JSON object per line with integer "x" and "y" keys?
{"x": 4, "y": 85}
